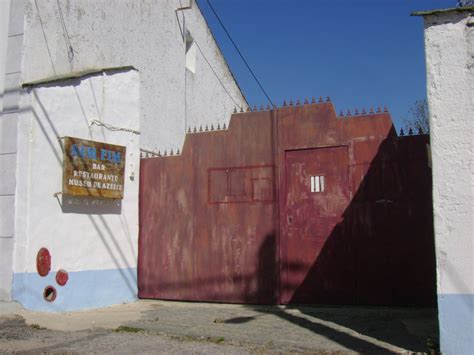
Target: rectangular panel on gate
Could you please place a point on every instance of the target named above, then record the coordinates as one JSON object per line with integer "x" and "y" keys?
{"x": 242, "y": 184}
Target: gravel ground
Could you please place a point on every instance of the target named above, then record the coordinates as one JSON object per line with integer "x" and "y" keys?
{"x": 18, "y": 337}
{"x": 199, "y": 328}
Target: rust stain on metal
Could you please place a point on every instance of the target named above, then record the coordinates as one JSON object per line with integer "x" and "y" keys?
{"x": 292, "y": 205}
{"x": 93, "y": 169}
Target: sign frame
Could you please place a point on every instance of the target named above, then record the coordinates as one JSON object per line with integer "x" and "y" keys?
{"x": 93, "y": 169}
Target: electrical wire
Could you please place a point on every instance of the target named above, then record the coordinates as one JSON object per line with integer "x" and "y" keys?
{"x": 240, "y": 53}
{"x": 112, "y": 128}
{"x": 212, "y": 69}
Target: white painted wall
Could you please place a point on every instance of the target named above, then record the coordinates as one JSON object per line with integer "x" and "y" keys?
{"x": 449, "y": 46}
{"x": 59, "y": 39}
{"x": 4, "y": 22}
{"x": 5, "y": 237}
{"x": 95, "y": 240}
{"x": 147, "y": 35}
{"x": 11, "y": 39}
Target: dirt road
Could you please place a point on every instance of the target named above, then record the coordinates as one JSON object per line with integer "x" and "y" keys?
{"x": 199, "y": 328}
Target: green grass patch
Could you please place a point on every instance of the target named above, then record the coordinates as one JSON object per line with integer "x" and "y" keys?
{"x": 128, "y": 329}
{"x": 219, "y": 340}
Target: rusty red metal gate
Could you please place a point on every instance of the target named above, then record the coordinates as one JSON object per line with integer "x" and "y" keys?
{"x": 316, "y": 195}
{"x": 292, "y": 205}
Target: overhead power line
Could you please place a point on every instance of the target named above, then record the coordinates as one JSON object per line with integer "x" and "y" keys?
{"x": 217, "y": 76}
{"x": 240, "y": 53}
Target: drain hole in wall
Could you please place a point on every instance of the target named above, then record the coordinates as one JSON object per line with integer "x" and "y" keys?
{"x": 49, "y": 293}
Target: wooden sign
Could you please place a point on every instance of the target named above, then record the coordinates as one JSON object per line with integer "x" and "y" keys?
{"x": 93, "y": 169}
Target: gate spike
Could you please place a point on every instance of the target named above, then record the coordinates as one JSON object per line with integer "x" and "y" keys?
{"x": 341, "y": 113}
{"x": 194, "y": 130}
{"x": 255, "y": 108}
{"x": 371, "y": 110}
{"x": 363, "y": 111}
{"x": 200, "y": 128}
{"x": 313, "y": 100}
{"x": 356, "y": 112}
{"x": 284, "y": 102}
{"x": 402, "y": 132}
{"x": 159, "y": 153}
{"x": 410, "y": 132}
{"x": 348, "y": 113}
{"x": 141, "y": 154}
{"x": 207, "y": 128}
{"x": 212, "y": 127}
{"x": 268, "y": 107}
{"x": 298, "y": 101}
{"x": 379, "y": 110}
{"x": 291, "y": 102}
{"x": 249, "y": 109}
{"x": 189, "y": 129}
{"x": 262, "y": 108}
{"x": 165, "y": 153}
{"x": 241, "y": 109}
{"x": 235, "y": 109}
{"x": 224, "y": 126}
{"x": 171, "y": 151}
{"x": 385, "y": 110}
{"x": 218, "y": 126}
{"x": 320, "y": 100}
{"x": 420, "y": 130}
{"x": 177, "y": 152}
{"x": 306, "y": 101}
{"x": 328, "y": 99}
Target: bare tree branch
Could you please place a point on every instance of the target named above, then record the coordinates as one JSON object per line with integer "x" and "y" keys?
{"x": 417, "y": 117}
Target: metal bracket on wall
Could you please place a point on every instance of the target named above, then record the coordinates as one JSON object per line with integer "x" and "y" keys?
{"x": 185, "y": 7}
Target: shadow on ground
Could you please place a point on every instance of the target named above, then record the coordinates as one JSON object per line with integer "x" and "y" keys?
{"x": 295, "y": 328}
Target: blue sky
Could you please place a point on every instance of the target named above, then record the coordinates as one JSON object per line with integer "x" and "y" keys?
{"x": 358, "y": 52}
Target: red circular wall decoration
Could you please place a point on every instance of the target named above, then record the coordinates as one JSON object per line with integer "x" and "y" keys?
{"x": 43, "y": 262}
{"x": 62, "y": 277}
{"x": 49, "y": 293}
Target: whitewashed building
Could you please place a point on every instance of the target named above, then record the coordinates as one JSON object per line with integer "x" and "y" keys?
{"x": 133, "y": 73}
{"x": 449, "y": 48}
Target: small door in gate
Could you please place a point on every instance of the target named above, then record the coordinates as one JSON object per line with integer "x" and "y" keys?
{"x": 316, "y": 256}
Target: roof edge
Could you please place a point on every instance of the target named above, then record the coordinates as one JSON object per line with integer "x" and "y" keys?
{"x": 443, "y": 11}
{"x": 77, "y": 75}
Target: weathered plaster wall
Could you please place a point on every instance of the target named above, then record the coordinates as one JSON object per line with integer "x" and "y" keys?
{"x": 149, "y": 35}
{"x": 94, "y": 240}
{"x": 4, "y": 21}
{"x": 11, "y": 40}
{"x": 5, "y": 237}
{"x": 47, "y": 40}
{"x": 449, "y": 45}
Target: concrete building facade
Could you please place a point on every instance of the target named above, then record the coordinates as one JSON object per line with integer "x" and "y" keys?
{"x": 449, "y": 48}
{"x": 131, "y": 73}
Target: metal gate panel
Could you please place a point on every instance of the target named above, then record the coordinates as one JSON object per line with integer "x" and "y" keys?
{"x": 208, "y": 227}
{"x": 292, "y": 205}
{"x": 316, "y": 196}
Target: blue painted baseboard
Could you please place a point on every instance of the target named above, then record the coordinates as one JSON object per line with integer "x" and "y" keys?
{"x": 84, "y": 289}
{"x": 456, "y": 323}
